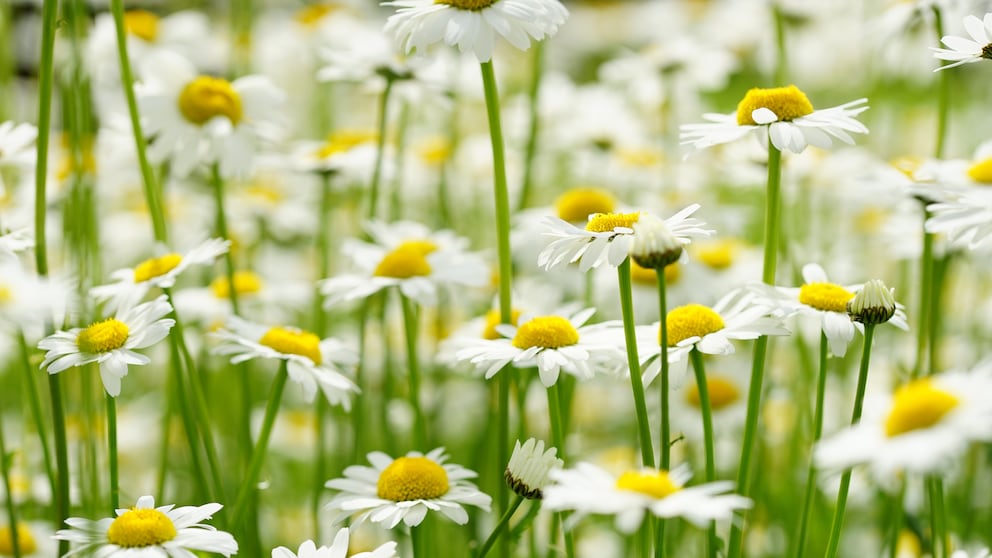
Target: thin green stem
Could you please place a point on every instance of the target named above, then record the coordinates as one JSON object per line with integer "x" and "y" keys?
{"x": 634, "y": 363}
{"x": 781, "y": 52}
{"x": 189, "y": 422}
{"x": 417, "y": 542}
{"x": 938, "y": 517}
{"x": 165, "y": 436}
{"x": 413, "y": 377}
{"x": 396, "y": 192}
{"x": 926, "y": 292}
{"x": 115, "y": 488}
{"x": 45, "y": 79}
{"x": 218, "y": 187}
{"x": 558, "y": 435}
{"x": 61, "y": 456}
{"x": 500, "y": 526}
{"x": 666, "y": 433}
{"x": 530, "y": 151}
{"x": 250, "y": 483}
{"x": 845, "y": 481}
{"x": 704, "y": 406}
{"x": 380, "y": 151}
{"x": 896, "y": 520}
{"x": 807, "y": 509}
{"x": 34, "y": 402}
{"x": 943, "y": 90}
{"x": 11, "y": 506}
{"x": 773, "y": 210}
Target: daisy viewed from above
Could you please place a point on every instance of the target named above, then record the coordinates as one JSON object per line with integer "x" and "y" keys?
{"x": 966, "y": 51}
{"x": 338, "y": 549}
{"x": 110, "y": 343}
{"x": 588, "y": 489}
{"x": 471, "y": 25}
{"x": 145, "y": 531}
{"x": 405, "y": 489}
{"x": 783, "y": 114}
{"x": 311, "y": 361}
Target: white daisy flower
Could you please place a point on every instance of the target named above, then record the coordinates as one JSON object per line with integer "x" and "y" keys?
{"x": 311, "y": 361}
{"x": 922, "y": 427}
{"x": 966, "y": 51}
{"x": 471, "y": 25}
{"x": 145, "y": 531}
{"x": 198, "y": 119}
{"x": 405, "y": 489}
{"x": 13, "y": 242}
{"x": 409, "y": 256}
{"x": 608, "y": 237}
{"x": 34, "y": 539}
{"x": 348, "y": 153}
{"x": 965, "y": 218}
{"x": 783, "y": 113}
{"x": 25, "y": 298}
{"x": 551, "y": 343}
{"x": 111, "y": 342}
{"x": 133, "y": 283}
{"x": 338, "y": 549}
{"x": 587, "y": 489}
{"x": 710, "y": 330}
{"x": 17, "y": 144}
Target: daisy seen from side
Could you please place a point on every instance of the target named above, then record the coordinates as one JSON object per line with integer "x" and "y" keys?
{"x": 338, "y": 549}
{"x": 961, "y": 50}
{"x": 966, "y": 218}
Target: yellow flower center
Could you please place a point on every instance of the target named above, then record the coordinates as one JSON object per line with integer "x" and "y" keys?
{"x": 606, "y": 222}
{"x": 245, "y": 282}
{"x": 493, "y": 320}
{"x": 407, "y": 260}
{"x": 647, "y": 276}
{"x": 25, "y": 540}
{"x": 642, "y": 158}
{"x": 341, "y": 141}
{"x": 549, "y": 332}
{"x": 103, "y": 337}
{"x": 207, "y": 97}
{"x": 292, "y": 341}
{"x": 917, "y": 405}
{"x": 656, "y": 484}
{"x": 691, "y": 320}
{"x": 788, "y": 103}
{"x": 577, "y": 204}
{"x": 719, "y": 254}
{"x": 473, "y": 5}
{"x": 434, "y": 150}
{"x": 722, "y": 392}
{"x": 907, "y": 165}
{"x": 141, "y": 24}
{"x": 156, "y": 267}
{"x": 141, "y": 527}
{"x": 825, "y": 296}
{"x": 311, "y": 15}
{"x": 265, "y": 193}
{"x": 981, "y": 171}
{"x": 412, "y": 478}
{"x": 5, "y": 294}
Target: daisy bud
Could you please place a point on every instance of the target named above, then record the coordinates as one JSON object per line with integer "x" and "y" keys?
{"x": 655, "y": 247}
{"x": 874, "y": 304}
{"x": 529, "y": 468}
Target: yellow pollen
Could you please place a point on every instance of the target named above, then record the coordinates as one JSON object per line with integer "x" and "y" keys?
{"x": 141, "y": 24}
{"x": 407, "y": 260}
{"x": 549, "y": 332}
{"x": 918, "y": 405}
{"x": 691, "y": 320}
{"x": 577, "y": 204}
{"x": 606, "y": 222}
{"x": 103, "y": 337}
{"x": 492, "y": 320}
{"x": 311, "y": 15}
{"x": 412, "y": 478}
{"x": 434, "y": 150}
{"x": 206, "y": 98}
{"x": 647, "y": 276}
{"x": 345, "y": 140}
{"x": 825, "y": 296}
{"x": 137, "y": 528}
{"x": 245, "y": 282}
{"x": 656, "y": 484}
{"x": 722, "y": 392}
{"x": 788, "y": 103}
{"x": 293, "y": 341}
{"x": 719, "y": 254}
{"x": 473, "y": 5}
{"x": 25, "y": 541}
{"x": 981, "y": 171}
{"x": 156, "y": 267}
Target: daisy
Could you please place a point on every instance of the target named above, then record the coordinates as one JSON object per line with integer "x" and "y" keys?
{"x": 132, "y": 283}
{"x": 17, "y": 144}
{"x": 529, "y": 470}
{"x": 608, "y": 237}
{"x": 110, "y": 342}
{"x": 550, "y": 343}
{"x": 13, "y": 242}
{"x": 26, "y": 299}
{"x": 198, "y": 119}
{"x": 785, "y": 115}
{"x": 338, "y": 549}
{"x": 588, "y": 489}
{"x": 965, "y": 218}
{"x": 922, "y": 427}
{"x": 471, "y": 25}
{"x": 145, "y": 531}
{"x": 310, "y": 361}
{"x": 966, "y": 51}
{"x": 405, "y": 489}
{"x": 33, "y": 539}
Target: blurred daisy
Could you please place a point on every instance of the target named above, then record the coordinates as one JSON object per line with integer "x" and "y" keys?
{"x": 338, "y": 549}
{"x": 131, "y": 284}
{"x": 588, "y": 489}
{"x": 966, "y": 51}
{"x": 25, "y": 299}
{"x": 347, "y": 152}
{"x": 924, "y": 426}
{"x": 111, "y": 342}
{"x": 551, "y": 344}
{"x": 471, "y": 25}
{"x": 965, "y": 218}
{"x": 145, "y": 531}
{"x": 405, "y": 489}
{"x": 783, "y": 113}
{"x": 608, "y": 237}
{"x": 14, "y": 242}
{"x": 17, "y": 145}
{"x": 33, "y": 539}
{"x": 311, "y": 362}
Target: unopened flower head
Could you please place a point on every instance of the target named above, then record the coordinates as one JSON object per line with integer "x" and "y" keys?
{"x": 530, "y": 467}
{"x": 655, "y": 247}
{"x": 875, "y": 304}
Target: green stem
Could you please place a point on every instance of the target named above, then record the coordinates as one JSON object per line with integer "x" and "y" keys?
{"x": 10, "y": 505}
{"x": 323, "y": 248}
{"x": 45, "y": 78}
{"x": 218, "y": 184}
{"x": 943, "y": 90}
{"x": 417, "y": 542}
{"x": 530, "y": 151}
{"x": 189, "y": 422}
{"x": 34, "y": 401}
{"x": 380, "y": 147}
{"x": 895, "y": 523}
{"x": 396, "y": 192}
{"x": 558, "y": 435}
{"x": 845, "y": 481}
{"x": 249, "y": 483}
{"x": 926, "y": 292}
{"x": 61, "y": 456}
{"x": 164, "y": 437}
{"x": 938, "y": 517}
{"x": 707, "y": 412}
{"x": 503, "y": 522}
{"x": 666, "y": 433}
{"x": 821, "y": 386}
{"x": 413, "y": 364}
{"x": 115, "y": 488}
{"x": 781, "y": 53}
{"x": 634, "y": 363}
